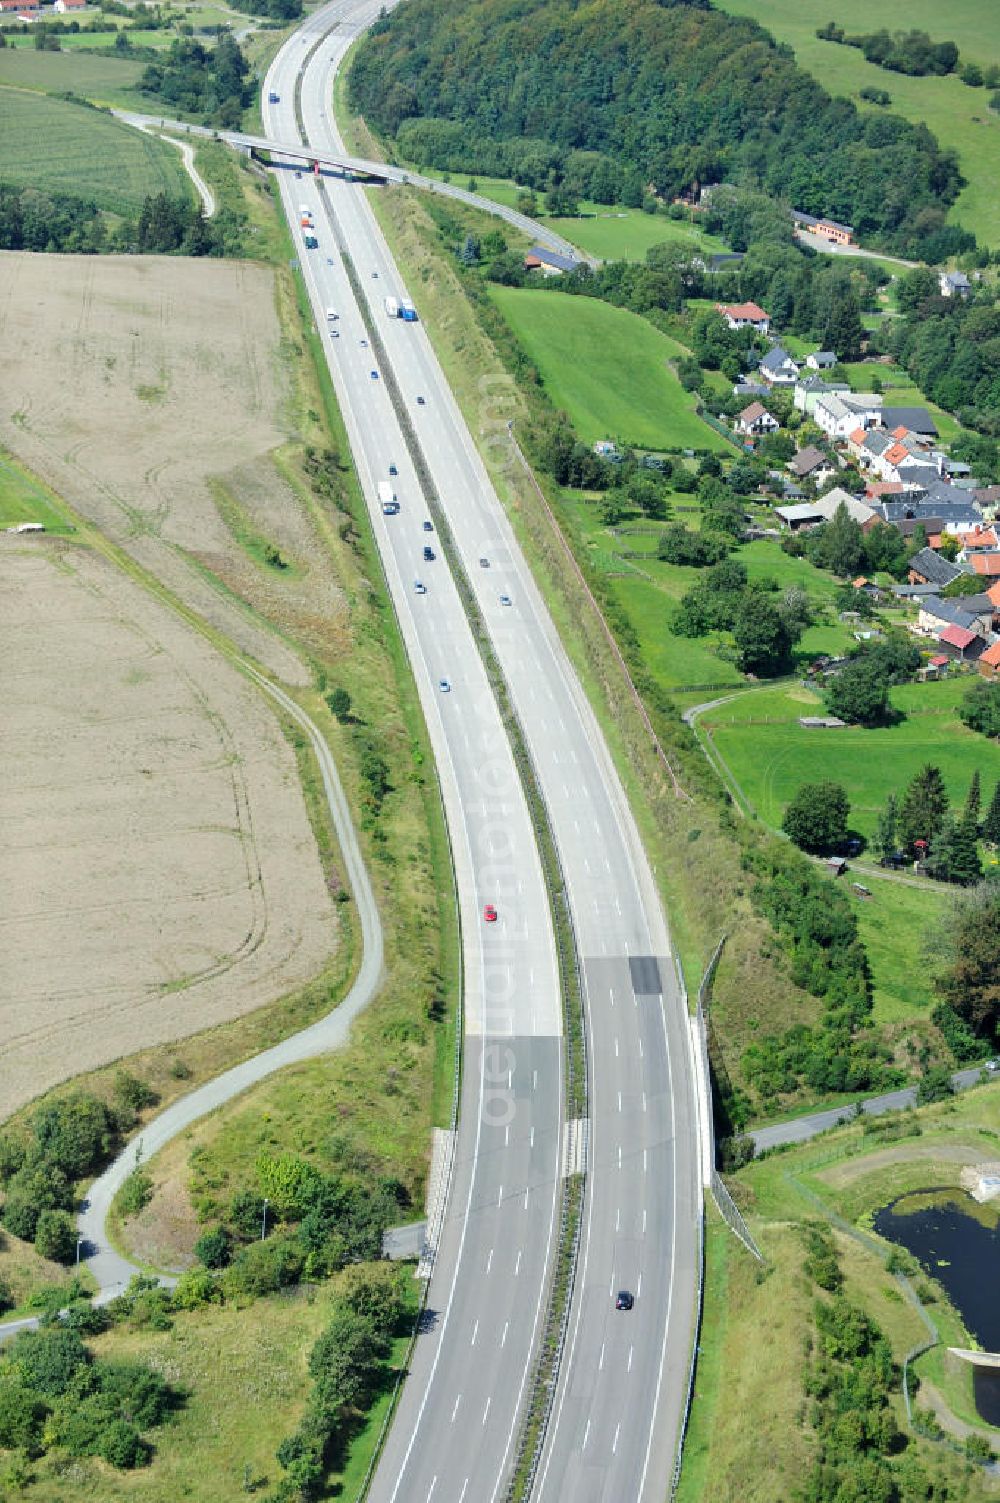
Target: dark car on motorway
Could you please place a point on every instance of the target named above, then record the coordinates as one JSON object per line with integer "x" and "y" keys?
{"x": 624, "y": 1301}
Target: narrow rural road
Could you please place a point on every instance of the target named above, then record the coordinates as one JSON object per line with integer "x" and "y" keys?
{"x": 801, "y": 1129}
{"x": 187, "y": 152}
{"x": 110, "y": 1269}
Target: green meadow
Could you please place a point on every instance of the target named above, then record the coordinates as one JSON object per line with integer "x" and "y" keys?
{"x": 608, "y": 369}
{"x": 60, "y": 147}
{"x": 769, "y": 754}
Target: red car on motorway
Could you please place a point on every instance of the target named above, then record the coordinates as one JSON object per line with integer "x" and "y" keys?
{"x": 490, "y": 914}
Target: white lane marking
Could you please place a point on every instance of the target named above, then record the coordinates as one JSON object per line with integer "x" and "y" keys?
{"x": 600, "y": 1360}
{"x": 475, "y": 1333}
{"x": 506, "y": 1131}
{"x": 430, "y": 1490}
{"x": 489, "y": 1261}
{"x": 640, "y": 1049}
{"x": 503, "y": 1338}
{"x": 619, "y": 1100}
{"x": 586, "y": 864}
{"x": 618, "y": 907}
{"x": 526, "y": 1197}
{"x": 644, "y": 1221}
{"x": 487, "y": 1409}
{"x": 534, "y": 1080}
{"x": 638, "y": 1287}
{"x": 644, "y": 1100}
{"x": 616, "y": 1046}
{"x": 614, "y": 1443}
{"x": 586, "y": 1436}
{"x": 510, "y": 1075}
{"x": 612, "y": 996}
{"x": 629, "y": 1367}
{"x": 517, "y": 1265}
{"x": 500, "y": 1196}
{"x": 618, "y": 1219}
{"x": 455, "y": 1410}
{"x": 531, "y": 1140}
{"x": 619, "y": 1155}
{"x": 645, "y": 1160}
{"x": 465, "y": 1488}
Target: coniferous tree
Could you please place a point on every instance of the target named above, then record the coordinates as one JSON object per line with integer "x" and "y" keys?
{"x": 974, "y": 799}
{"x": 924, "y": 805}
{"x": 991, "y": 824}
{"x": 886, "y": 834}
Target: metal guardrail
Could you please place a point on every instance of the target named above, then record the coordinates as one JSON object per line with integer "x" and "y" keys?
{"x": 727, "y": 1206}
{"x": 675, "y": 1481}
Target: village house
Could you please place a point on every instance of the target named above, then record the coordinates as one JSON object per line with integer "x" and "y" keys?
{"x": 986, "y": 564}
{"x": 914, "y": 419}
{"x": 977, "y": 540}
{"x": 62, "y": 6}
{"x": 827, "y": 229}
{"x": 809, "y": 389}
{"x": 930, "y": 568}
{"x": 778, "y": 368}
{"x": 839, "y": 415}
{"x": 745, "y": 316}
{"x": 935, "y": 613}
{"x": 962, "y": 643}
{"x": 549, "y": 262}
{"x": 821, "y": 360}
{"x": 811, "y": 463}
{"x": 989, "y": 661}
{"x": 954, "y": 284}
{"x": 756, "y": 420}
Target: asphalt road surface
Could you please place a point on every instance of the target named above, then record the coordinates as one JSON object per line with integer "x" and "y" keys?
{"x": 623, "y": 1380}
{"x": 800, "y": 1129}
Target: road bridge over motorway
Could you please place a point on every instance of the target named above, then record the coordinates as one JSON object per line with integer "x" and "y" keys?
{"x": 324, "y": 159}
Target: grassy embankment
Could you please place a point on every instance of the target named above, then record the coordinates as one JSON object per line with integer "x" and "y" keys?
{"x": 372, "y": 1102}
{"x": 61, "y": 147}
{"x": 959, "y": 116}
{"x": 750, "y": 1429}
{"x": 25, "y": 499}
{"x": 243, "y": 1373}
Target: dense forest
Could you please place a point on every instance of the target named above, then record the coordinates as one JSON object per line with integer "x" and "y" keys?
{"x": 622, "y": 94}
{"x": 212, "y": 83}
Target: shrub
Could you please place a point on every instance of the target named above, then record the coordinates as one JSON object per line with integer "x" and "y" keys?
{"x": 214, "y": 1248}
{"x": 135, "y": 1194}
{"x": 55, "y": 1236}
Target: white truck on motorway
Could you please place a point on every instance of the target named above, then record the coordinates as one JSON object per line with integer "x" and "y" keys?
{"x": 387, "y": 498}
{"x": 392, "y": 307}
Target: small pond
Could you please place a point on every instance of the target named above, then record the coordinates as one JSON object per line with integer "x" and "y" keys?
{"x": 957, "y": 1240}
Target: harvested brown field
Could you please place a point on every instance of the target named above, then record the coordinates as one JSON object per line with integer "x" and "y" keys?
{"x": 155, "y": 848}
{"x": 150, "y": 392}
{"x": 156, "y": 859}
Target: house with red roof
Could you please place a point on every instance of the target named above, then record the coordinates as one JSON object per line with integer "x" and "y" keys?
{"x": 987, "y": 564}
{"x": 745, "y": 316}
{"x": 962, "y": 642}
{"x": 989, "y": 661}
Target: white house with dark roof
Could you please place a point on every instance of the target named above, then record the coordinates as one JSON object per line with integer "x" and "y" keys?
{"x": 778, "y": 368}
{"x": 821, "y": 360}
{"x": 954, "y": 284}
{"x": 839, "y": 415}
